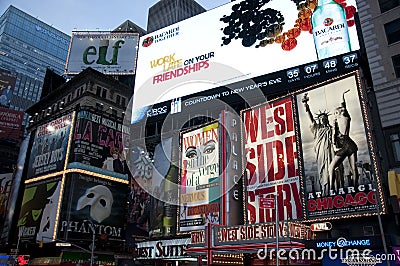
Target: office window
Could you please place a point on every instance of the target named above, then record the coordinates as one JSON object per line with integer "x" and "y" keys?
{"x": 395, "y": 143}
{"x": 104, "y": 93}
{"x": 386, "y": 5}
{"x": 396, "y": 65}
{"x": 392, "y": 30}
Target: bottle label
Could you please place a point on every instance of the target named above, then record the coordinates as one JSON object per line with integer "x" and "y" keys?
{"x": 330, "y": 32}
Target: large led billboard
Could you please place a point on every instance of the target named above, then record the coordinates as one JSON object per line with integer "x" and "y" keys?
{"x": 237, "y": 41}
{"x": 199, "y": 179}
{"x": 49, "y": 147}
{"x": 111, "y": 53}
{"x": 92, "y": 203}
{"x": 40, "y": 205}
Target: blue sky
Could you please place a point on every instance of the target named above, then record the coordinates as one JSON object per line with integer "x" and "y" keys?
{"x": 70, "y": 15}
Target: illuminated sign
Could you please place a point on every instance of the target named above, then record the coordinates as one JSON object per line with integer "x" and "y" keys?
{"x": 272, "y": 161}
{"x": 264, "y": 232}
{"x": 228, "y": 49}
{"x": 174, "y": 248}
{"x": 109, "y": 53}
{"x": 317, "y": 227}
{"x": 338, "y": 167}
{"x": 50, "y": 146}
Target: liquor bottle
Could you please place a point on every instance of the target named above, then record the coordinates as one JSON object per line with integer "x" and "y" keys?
{"x": 330, "y": 31}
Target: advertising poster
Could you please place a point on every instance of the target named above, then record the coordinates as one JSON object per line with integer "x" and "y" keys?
{"x": 140, "y": 213}
{"x": 336, "y": 157}
{"x": 5, "y": 188}
{"x": 149, "y": 172}
{"x": 200, "y": 185}
{"x": 7, "y": 84}
{"x": 240, "y": 37}
{"x": 98, "y": 145}
{"x": 108, "y": 53}
{"x": 93, "y": 203}
{"x": 39, "y": 208}
{"x": 162, "y": 167}
{"x": 50, "y": 146}
{"x": 10, "y": 123}
{"x": 271, "y": 168}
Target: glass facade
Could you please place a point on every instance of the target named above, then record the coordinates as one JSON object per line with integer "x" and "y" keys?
{"x": 27, "y": 47}
{"x": 167, "y": 12}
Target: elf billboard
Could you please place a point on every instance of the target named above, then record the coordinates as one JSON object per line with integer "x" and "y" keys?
{"x": 108, "y": 53}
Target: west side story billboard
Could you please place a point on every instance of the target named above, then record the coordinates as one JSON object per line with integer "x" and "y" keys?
{"x": 234, "y": 42}
{"x": 50, "y": 146}
{"x": 108, "y": 53}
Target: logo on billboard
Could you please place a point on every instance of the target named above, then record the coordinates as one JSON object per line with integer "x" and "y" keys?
{"x": 100, "y": 199}
{"x": 328, "y": 22}
{"x": 148, "y": 41}
{"x": 176, "y": 106}
{"x": 103, "y": 47}
{"x": 164, "y": 35}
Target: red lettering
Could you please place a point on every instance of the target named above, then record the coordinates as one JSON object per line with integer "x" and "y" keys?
{"x": 289, "y": 116}
{"x": 87, "y": 133}
{"x": 280, "y": 127}
{"x": 251, "y": 168}
{"x": 251, "y": 124}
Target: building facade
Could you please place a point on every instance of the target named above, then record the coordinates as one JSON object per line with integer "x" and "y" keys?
{"x": 28, "y": 47}
{"x": 79, "y": 129}
{"x": 167, "y": 12}
{"x": 380, "y": 22}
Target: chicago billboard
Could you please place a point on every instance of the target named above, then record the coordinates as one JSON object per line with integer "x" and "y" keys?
{"x": 10, "y": 123}
{"x": 199, "y": 179}
{"x": 40, "y": 205}
{"x": 93, "y": 203}
{"x": 50, "y": 146}
{"x": 108, "y": 53}
{"x": 238, "y": 41}
{"x": 338, "y": 169}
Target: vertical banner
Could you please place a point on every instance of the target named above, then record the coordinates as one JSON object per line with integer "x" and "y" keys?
{"x": 50, "y": 146}
{"x": 162, "y": 166}
{"x": 338, "y": 167}
{"x": 272, "y": 162}
{"x": 200, "y": 185}
{"x": 231, "y": 152}
{"x": 7, "y": 84}
{"x": 39, "y": 209}
{"x": 139, "y": 199}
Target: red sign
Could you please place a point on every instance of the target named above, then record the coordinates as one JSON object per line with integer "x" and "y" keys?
{"x": 272, "y": 164}
{"x": 267, "y": 203}
{"x": 10, "y": 123}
